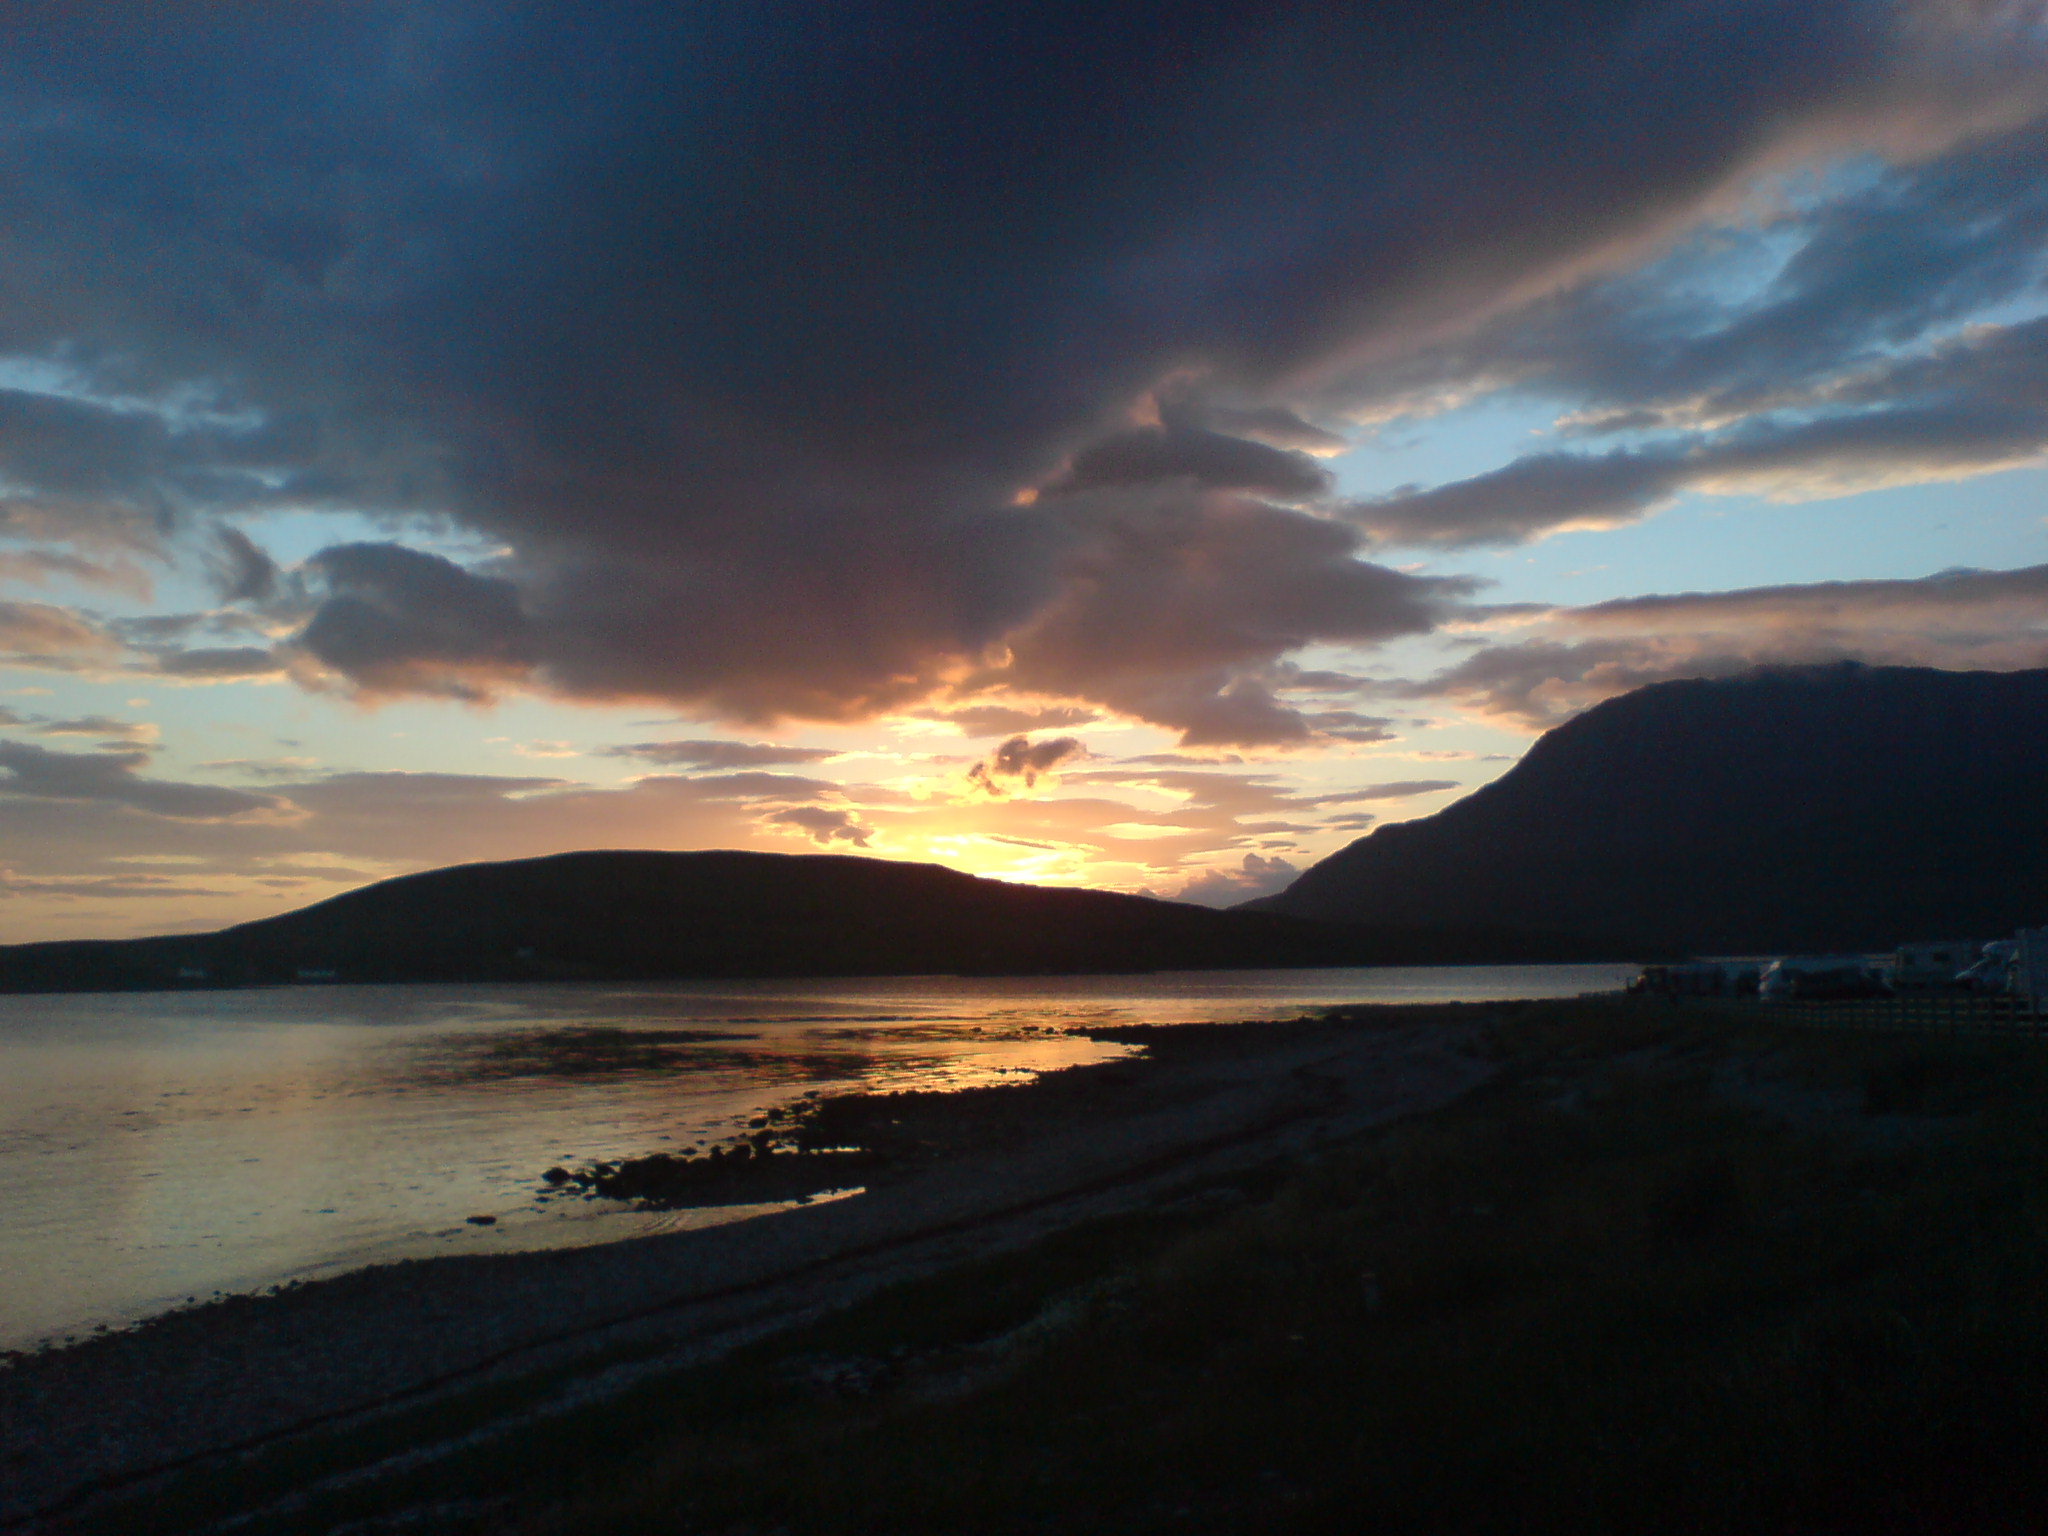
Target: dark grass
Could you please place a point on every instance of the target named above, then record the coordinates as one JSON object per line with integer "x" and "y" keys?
{"x": 1669, "y": 1272}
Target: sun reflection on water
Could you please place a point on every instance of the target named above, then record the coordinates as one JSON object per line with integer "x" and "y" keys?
{"x": 155, "y": 1148}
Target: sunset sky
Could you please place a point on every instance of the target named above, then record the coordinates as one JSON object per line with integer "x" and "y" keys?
{"x": 1139, "y": 446}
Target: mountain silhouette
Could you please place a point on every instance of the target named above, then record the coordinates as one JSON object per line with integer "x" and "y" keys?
{"x": 1799, "y": 808}
{"x": 626, "y": 915}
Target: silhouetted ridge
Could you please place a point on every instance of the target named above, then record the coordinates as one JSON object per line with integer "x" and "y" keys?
{"x": 617, "y": 916}
{"x": 1837, "y": 807}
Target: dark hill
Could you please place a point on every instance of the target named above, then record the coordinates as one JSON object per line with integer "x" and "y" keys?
{"x": 619, "y": 916}
{"x": 1839, "y": 807}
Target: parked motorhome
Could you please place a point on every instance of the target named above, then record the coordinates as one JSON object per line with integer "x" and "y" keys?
{"x": 1812, "y": 978}
{"x": 1933, "y": 965}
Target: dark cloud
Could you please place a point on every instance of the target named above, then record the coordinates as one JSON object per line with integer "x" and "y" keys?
{"x": 1174, "y": 605}
{"x": 1210, "y": 459}
{"x": 1238, "y": 794}
{"x": 1850, "y": 366}
{"x": 1532, "y": 496}
{"x": 38, "y": 773}
{"x": 44, "y": 635}
{"x": 398, "y": 796}
{"x": 1400, "y": 789}
{"x": 1540, "y": 683}
{"x": 161, "y": 643}
{"x": 77, "y": 454}
{"x": 1254, "y": 876}
{"x": 1889, "y": 261}
{"x": 1974, "y": 403}
{"x": 1997, "y": 620}
{"x": 822, "y": 826}
{"x": 128, "y": 732}
{"x": 399, "y": 621}
{"x": 264, "y": 767}
{"x": 747, "y": 331}
{"x": 121, "y": 733}
{"x": 717, "y": 754}
{"x": 1274, "y": 424}
{"x": 242, "y": 572}
{"x": 1311, "y": 681}
{"x": 1960, "y": 601}
{"x": 760, "y": 786}
{"x": 307, "y": 870}
{"x": 115, "y": 886}
{"x": 1004, "y": 720}
{"x": 1350, "y": 725}
{"x": 217, "y": 662}
{"x": 39, "y": 566}
{"x": 155, "y": 629}
{"x": 1356, "y": 821}
{"x": 92, "y": 466}
{"x": 1020, "y": 760}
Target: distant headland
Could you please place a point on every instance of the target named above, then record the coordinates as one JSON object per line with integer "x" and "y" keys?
{"x": 632, "y": 915}
{"x": 1840, "y": 807}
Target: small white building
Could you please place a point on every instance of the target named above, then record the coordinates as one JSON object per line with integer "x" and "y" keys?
{"x": 1822, "y": 978}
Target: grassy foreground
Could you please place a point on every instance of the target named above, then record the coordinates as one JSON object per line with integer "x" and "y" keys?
{"x": 1669, "y": 1272}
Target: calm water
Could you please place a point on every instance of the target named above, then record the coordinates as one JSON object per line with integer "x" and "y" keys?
{"x": 161, "y": 1147}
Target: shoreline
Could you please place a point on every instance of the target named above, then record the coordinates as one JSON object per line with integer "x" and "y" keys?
{"x": 1020, "y": 1161}
{"x": 215, "y": 1169}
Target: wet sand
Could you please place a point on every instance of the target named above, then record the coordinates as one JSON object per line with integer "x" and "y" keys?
{"x": 970, "y": 1173}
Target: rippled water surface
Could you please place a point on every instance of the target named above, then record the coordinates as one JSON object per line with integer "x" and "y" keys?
{"x": 160, "y": 1147}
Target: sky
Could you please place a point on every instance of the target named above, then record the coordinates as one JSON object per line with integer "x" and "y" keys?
{"x": 1143, "y": 446}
